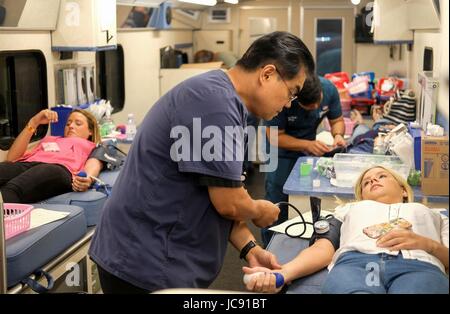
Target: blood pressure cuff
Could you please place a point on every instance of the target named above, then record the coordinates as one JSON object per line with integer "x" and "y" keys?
{"x": 333, "y": 235}
{"x": 110, "y": 155}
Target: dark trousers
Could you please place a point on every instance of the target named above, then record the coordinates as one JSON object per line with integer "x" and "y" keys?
{"x": 114, "y": 285}
{"x": 31, "y": 182}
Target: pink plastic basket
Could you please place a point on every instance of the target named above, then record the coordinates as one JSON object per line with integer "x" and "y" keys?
{"x": 349, "y": 124}
{"x": 17, "y": 218}
{"x": 346, "y": 104}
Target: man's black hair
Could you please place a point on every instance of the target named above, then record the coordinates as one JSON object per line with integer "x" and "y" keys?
{"x": 311, "y": 92}
{"x": 286, "y": 51}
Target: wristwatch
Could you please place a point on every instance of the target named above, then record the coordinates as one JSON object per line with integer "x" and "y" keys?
{"x": 250, "y": 245}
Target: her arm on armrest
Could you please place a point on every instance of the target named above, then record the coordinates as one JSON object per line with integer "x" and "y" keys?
{"x": 309, "y": 261}
{"x": 92, "y": 167}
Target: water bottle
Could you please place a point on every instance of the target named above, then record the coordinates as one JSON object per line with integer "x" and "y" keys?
{"x": 107, "y": 125}
{"x": 131, "y": 127}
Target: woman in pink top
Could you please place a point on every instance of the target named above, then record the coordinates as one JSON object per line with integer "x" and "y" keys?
{"x": 51, "y": 167}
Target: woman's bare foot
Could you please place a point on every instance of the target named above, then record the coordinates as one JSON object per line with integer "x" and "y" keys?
{"x": 377, "y": 113}
{"x": 356, "y": 117}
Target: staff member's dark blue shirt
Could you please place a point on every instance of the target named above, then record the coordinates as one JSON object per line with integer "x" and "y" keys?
{"x": 303, "y": 124}
{"x": 159, "y": 228}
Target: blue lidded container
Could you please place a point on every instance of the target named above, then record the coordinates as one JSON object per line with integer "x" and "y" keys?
{"x": 57, "y": 129}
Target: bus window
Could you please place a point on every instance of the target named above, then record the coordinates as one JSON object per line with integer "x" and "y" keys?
{"x": 23, "y": 93}
{"x": 329, "y": 46}
{"x": 111, "y": 82}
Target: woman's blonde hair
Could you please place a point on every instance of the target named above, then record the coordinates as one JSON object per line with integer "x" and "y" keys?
{"x": 402, "y": 182}
{"x": 92, "y": 125}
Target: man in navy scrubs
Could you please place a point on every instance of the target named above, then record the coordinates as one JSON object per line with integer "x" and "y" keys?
{"x": 172, "y": 210}
{"x": 297, "y": 128}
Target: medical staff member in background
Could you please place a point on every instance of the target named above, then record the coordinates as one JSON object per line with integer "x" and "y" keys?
{"x": 297, "y": 128}
{"x": 172, "y": 212}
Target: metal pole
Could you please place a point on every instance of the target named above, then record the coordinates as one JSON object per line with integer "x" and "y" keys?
{"x": 3, "y": 285}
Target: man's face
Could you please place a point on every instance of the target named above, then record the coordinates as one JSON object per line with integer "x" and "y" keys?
{"x": 276, "y": 93}
{"x": 311, "y": 107}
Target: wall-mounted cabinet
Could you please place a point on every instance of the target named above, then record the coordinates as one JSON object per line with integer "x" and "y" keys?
{"x": 424, "y": 14}
{"x": 391, "y": 22}
{"x": 395, "y": 20}
{"x": 86, "y": 25}
{"x": 29, "y": 14}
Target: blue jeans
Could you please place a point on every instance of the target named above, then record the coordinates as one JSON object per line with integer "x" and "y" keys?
{"x": 360, "y": 129}
{"x": 274, "y": 193}
{"x": 356, "y": 272}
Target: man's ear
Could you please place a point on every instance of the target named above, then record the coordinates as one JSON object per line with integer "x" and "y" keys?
{"x": 267, "y": 71}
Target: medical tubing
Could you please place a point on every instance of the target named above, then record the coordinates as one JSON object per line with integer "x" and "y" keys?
{"x": 302, "y": 222}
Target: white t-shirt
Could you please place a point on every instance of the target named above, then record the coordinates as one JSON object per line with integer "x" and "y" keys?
{"x": 356, "y": 216}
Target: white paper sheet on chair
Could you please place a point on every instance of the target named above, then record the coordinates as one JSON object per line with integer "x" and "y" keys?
{"x": 297, "y": 229}
{"x": 40, "y": 217}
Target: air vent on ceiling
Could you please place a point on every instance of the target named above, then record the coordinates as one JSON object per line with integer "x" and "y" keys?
{"x": 192, "y": 14}
{"x": 219, "y": 15}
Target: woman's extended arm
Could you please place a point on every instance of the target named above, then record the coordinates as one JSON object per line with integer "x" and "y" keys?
{"x": 92, "y": 167}
{"x": 20, "y": 145}
{"x": 309, "y": 261}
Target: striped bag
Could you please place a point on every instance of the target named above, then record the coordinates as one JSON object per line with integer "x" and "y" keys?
{"x": 402, "y": 108}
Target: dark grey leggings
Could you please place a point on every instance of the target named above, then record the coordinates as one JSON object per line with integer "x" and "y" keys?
{"x": 31, "y": 182}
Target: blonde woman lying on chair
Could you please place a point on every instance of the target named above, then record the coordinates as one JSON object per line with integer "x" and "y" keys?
{"x": 383, "y": 243}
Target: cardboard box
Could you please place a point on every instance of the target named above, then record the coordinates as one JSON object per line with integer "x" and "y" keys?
{"x": 434, "y": 165}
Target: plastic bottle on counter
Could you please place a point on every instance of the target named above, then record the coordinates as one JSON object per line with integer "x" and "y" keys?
{"x": 131, "y": 127}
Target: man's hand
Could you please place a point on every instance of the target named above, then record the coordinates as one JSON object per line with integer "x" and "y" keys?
{"x": 81, "y": 184}
{"x": 269, "y": 213}
{"x": 262, "y": 258}
{"x": 339, "y": 140}
{"x": 317, "y": 148}
{"x": 264, "y": 282}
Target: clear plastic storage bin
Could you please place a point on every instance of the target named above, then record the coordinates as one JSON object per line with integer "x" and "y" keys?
{"x": 348, "y": 167}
